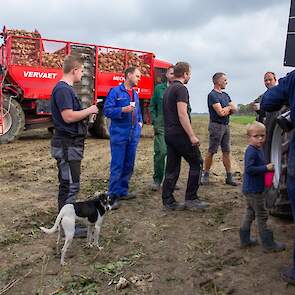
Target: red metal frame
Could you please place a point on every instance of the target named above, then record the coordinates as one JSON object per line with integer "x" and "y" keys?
{"x": 35, "y": 87}
{"x": 2, "y": 62}
{"x": 36, "y": 81}
{"x": 1, "y": 107}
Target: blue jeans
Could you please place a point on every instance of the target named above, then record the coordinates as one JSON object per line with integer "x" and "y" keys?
{"x": 291, "y": 195}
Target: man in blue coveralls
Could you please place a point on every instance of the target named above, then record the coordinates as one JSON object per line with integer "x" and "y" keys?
{"x": 122, "y": 107}
{"x": 272, "y": 100}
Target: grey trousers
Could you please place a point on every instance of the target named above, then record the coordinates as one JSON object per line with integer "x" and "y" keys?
{"x": 68, "y": 153}
{"x": 255, "y": 209}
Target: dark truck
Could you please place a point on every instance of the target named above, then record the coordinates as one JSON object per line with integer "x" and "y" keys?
{"x": 279, "y": 135}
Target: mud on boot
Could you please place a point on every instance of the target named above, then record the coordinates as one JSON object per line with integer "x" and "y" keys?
{"x": 268, "y": 243}
{"x": 245, "y": 239}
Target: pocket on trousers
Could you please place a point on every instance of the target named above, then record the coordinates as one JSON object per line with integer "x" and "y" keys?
{"x": 57, "y": 152}
{"x": 75, "y": 153}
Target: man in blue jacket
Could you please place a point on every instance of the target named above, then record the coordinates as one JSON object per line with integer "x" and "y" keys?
{"x": 122, "y": 107}
{"x": 272, "y": 100}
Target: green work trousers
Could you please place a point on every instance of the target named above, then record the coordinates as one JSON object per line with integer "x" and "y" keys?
{"x": 160, "y": 152}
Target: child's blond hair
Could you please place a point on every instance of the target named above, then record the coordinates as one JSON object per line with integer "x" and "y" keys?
{"x": 255, "y": 126}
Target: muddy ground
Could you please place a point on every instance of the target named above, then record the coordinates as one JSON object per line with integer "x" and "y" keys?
{"x": 157, "y": 252}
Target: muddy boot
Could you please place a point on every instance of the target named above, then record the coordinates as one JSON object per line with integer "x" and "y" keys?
{"x": 269, "y": 245}
{"x": 205, "y": 178}
{"x": 230, "y": 179}
{"x": 245, "y": 239}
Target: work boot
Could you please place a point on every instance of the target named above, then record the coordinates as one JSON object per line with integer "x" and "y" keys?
{"x": 129, "y": 196}
{"x": 155, "y": 186}
{"x": 205, "y": 178}
{"x": 268, "y": 243}
{"x": 287, "y": 275}
{"x": 114, "y": 203}
{"x": 245, "y": 239}
{"x": 174, "y": 206}
{"x": 195, "y": 204}
{"x": 230, "y": 179}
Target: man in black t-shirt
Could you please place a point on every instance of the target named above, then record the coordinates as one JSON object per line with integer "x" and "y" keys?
{"x": 220, "y": 108}
{"x": 181, "y": 142}
{"x": 67, "y": 145}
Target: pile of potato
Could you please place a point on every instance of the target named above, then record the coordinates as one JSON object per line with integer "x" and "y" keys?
{"x": 23, "y": 33}
{"x": 26, "y": 52}
{"x": 119, "y": 60}
{"x": 54, "y": 60}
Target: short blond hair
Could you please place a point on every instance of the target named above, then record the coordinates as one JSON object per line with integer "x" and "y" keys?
{"x": 72, "y": 62}
{"x": 255, "y": 126}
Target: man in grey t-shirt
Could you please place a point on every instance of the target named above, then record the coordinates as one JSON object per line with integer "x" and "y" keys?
{"x": 220, "y": 108}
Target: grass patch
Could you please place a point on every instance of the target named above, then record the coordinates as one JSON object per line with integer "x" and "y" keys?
{"x": 243, "y": 120}
{"x": 116, "y": 266}
{"x": 10, "y": 237}
{"x": 80, "y": 285}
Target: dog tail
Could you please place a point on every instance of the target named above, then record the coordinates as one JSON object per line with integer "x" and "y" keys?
{"x": 56, "y": 224}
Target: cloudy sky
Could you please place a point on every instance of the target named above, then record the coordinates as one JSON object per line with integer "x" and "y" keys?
{"x": 242, "y": 38}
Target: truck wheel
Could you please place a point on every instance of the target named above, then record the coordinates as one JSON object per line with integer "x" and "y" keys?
{"x": 14, "y": 120}
{"x": 99, "y": 128}
{"x": 276, "y": 150}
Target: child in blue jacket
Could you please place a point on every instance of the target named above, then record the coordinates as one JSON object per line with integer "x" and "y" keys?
{"x": 255, "y": 168}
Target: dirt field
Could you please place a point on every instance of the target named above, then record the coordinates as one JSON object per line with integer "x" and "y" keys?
{"x": 158, "y": 252}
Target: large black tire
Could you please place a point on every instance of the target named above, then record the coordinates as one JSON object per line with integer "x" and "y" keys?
{"x": 14, "y": 120}
{"x": 276, "y": 151}
{"x": 99, "y": 129}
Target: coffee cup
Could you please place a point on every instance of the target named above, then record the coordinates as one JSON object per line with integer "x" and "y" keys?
{"x": 132, "y": 103}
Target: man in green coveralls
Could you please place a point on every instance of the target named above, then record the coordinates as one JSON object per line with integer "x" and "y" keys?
{"x": 160, "y": 149}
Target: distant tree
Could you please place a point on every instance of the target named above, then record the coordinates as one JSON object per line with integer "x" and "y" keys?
{"x": 245, "y": 109}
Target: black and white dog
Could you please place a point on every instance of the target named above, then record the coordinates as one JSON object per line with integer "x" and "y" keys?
{"x": 91, "y": 212}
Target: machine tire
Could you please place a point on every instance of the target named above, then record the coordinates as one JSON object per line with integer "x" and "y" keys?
{"x": 99, "y": 128}
{"x": 15, "y": 120}
{"x": 276, "y": 151}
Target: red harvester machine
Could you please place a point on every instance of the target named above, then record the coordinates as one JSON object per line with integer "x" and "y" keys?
{"x": 30, "y": 66}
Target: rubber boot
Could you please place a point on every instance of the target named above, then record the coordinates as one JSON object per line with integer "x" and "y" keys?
{"x": 245, "y": 239}
{"x": 230, "y": 179}
{"x": 268, "y": 243}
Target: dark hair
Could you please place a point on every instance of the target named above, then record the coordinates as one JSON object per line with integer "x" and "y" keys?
{"x": 180, "y": 68}
{"x": 217, "y": 76}
{"x": 72, "y": 62}
{"x": 272, "y": 73}
{"x": 130, "y": 70}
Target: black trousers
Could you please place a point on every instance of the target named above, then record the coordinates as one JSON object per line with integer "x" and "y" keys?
{"x": 179, "y": 146}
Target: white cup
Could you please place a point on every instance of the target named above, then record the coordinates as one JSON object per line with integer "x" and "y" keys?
{"x": 132, "y": 103}
{"x": 257, "y": 106}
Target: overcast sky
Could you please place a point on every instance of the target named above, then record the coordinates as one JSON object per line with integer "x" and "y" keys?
{"x": 242, "y": 38}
